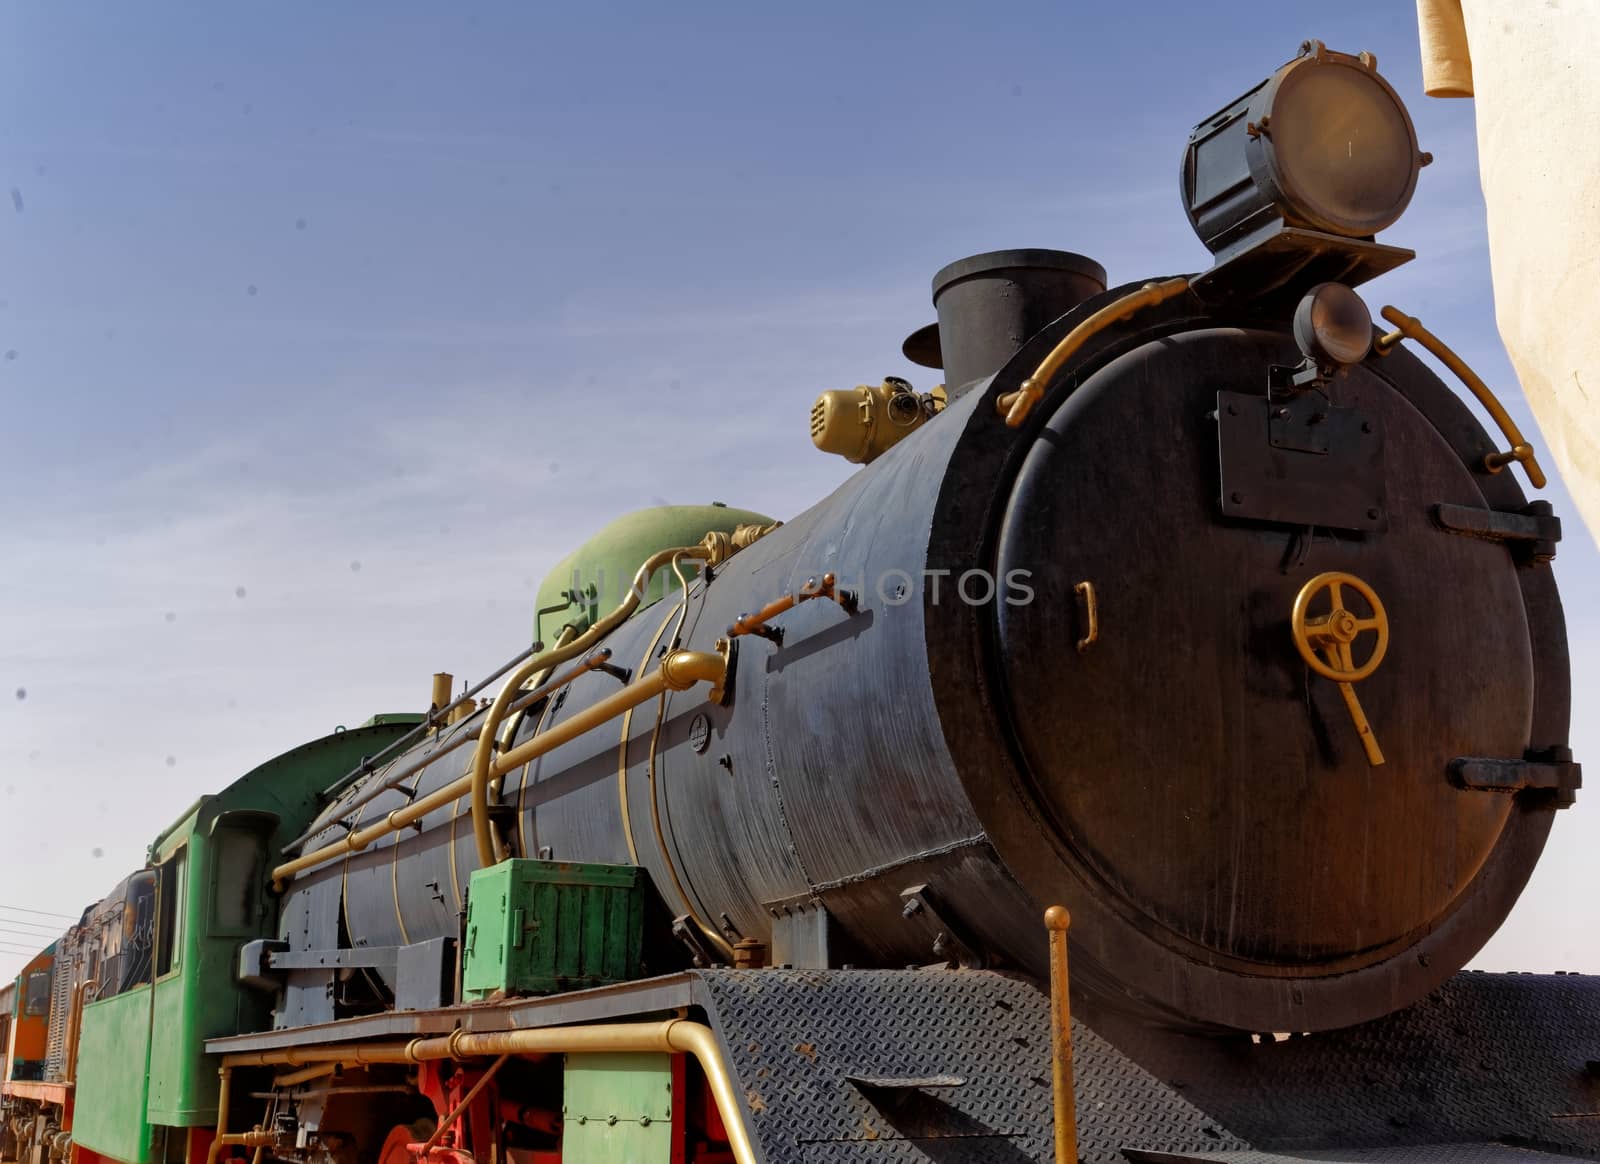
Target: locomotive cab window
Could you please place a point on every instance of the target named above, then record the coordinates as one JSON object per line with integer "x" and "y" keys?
{"x": 173, "y": 896}
{"x": 237, "y": 866}
{"x": 36, "y": 997}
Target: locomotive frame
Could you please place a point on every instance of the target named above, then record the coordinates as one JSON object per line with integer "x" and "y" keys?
{"x": 738, "y": 1001}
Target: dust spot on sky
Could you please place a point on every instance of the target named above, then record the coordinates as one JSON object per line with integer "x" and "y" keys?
{"x": 250, "y": 290}
{"x": 555, "y": 467}
{"x": 97, "y": 852}
{"x": 238, "y": 591}
{"x": 172, "y": 761}
{"x": 299, "y": 224}
{"x": 11, "y": 353}
{"x": 171, "y": 616}
{"x": 22, "y": 693}
{"x": 355, "y": 567}
{"x": 675, "y": 385}
{"x": 16, "y": 199}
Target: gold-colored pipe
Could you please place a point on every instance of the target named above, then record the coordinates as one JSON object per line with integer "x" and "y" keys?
{"x": 305, "y": 1075}
{"x": 256, "y": 1139}
{"x": 1057, "y": 921}
{"x": 1409, "y": 327}
{"x": 478, "y": 782}
{"x": 678, "y": 672}
{"x": 1015, "y": 406}
{"x": 301, "y": 1056}
{"x": 674, "y": 1036}
{"x": 359, "y": 839}
{"x": 443, "y": 684}
{"x": 224, "y": 1094}
{"x": 465, "y": 1103}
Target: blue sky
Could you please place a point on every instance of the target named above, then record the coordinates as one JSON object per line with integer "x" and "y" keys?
{"x": 332, "y": 329}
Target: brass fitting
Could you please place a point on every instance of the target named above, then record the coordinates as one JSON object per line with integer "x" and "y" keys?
{"x": 862, "y": 423}
{"x": 720, "y": 545}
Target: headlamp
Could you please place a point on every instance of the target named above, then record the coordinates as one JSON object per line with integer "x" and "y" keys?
{"x": 1332, "y": 325}
{"x": 1323, "y": 144}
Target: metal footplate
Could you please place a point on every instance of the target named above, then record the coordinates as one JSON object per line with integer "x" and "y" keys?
{"x": 935, "y": 1065}
{"x": 954, "y": 1066}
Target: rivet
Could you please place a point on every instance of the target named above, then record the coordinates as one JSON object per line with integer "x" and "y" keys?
{"x": 1373, "y": 513}
{"x": 1236, "y": 497}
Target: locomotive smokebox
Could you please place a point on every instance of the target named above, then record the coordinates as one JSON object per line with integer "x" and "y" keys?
{"x": 991, "y": 304}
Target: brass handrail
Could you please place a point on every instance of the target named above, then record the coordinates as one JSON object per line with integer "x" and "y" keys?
{"x": 359, "y": 839}
{"x": 1409, "y": 327}
{"x": 1015, "y": 406}
{"x": 482, "y": 832}
{"x": 477, "y": 782}
{"x": 1057, "y": 921}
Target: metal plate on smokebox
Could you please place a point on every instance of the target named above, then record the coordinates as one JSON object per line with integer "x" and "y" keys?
{"x": 1300, "y": 462}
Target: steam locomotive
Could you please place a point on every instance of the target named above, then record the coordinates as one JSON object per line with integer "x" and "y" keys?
{"x": 1199, "y": 606}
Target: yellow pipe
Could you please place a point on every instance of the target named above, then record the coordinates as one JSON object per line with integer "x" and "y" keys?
{"x": 443, "y": 684}
{"x": 478, "y": 783}
{"x": 1015, "y": 406}
{"x": 674, "y": 1036}
{"x": 301, "y": 1056}
{"x": 679, "y": 671}
{"x": 305, "y": 1074}
{"x": 622, "y": 750}
{"x": 256, "y": 1139}
{"x": 359, "y": 839}
{"x": 1410, "y": 327}
{"x": 224, "y": 1094}
{"x": 1057, "y": 920}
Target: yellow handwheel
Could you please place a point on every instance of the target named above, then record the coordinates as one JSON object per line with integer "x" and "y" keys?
{"x": 1324, "y": 641}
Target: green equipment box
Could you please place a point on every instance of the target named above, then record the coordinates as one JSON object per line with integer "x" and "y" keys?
{"x": 540, "y": 927}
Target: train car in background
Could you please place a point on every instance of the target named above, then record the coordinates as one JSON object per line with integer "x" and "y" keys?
{"x": 8, "y": 1002}
{"x": 108, "y": 1025}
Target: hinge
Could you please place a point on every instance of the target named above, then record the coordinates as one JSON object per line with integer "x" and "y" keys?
{"x": 1550, "y": 773}
{"x": 1531, "y": 533}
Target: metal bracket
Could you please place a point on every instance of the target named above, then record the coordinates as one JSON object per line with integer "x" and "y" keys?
{"x": 684, "y": 929}
{"x": 951, "y": 941}
{"x": 802, "y": 933}
{"x": 1550, "y": 772}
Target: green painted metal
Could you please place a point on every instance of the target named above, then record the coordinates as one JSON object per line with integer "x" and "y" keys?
{"x": 141, "y": 1059}
{"x": 617, "y": 1109}
{"x": 113, "y": 1054}
{"x": 609, "y": 559}
{"x": 538, "y": 927}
